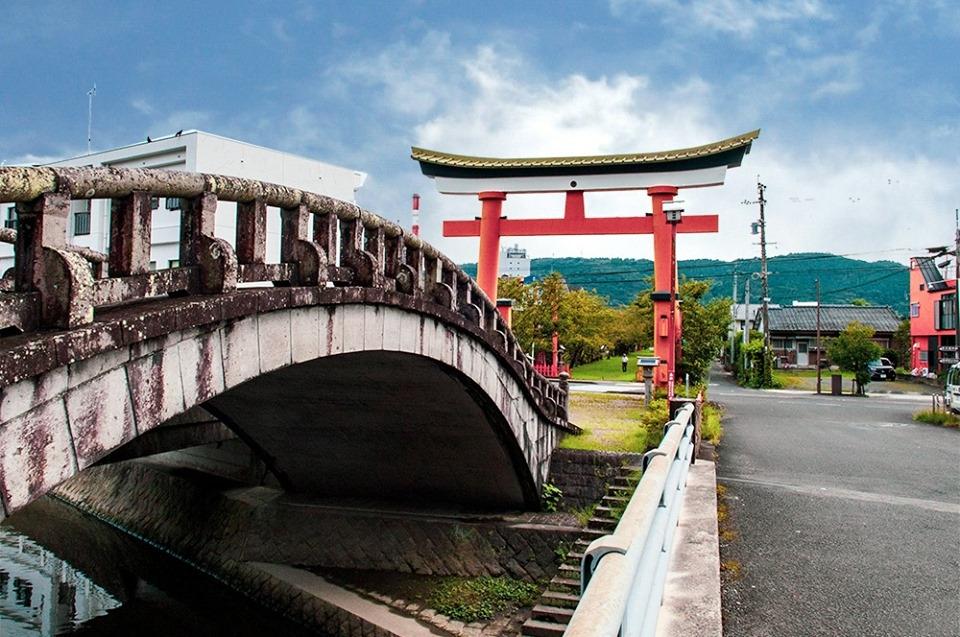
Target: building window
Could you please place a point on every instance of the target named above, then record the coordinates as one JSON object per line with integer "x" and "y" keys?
{"x": 945, "y": 316}
{"x": 153, "y": 266}
{"x": 914, "y": 310}
{"x": 174, "y": 263}
{"x": 81, "y": 217}
{"x": 776, "y": 343}
{"x": 173, "y": 203}
{"x": 11, "y": 219}
{"x": 923, "y": 356}
{"x": 154, "y": 203}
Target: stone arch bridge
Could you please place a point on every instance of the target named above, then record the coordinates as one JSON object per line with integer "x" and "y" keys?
{"x": 364, "y": 363}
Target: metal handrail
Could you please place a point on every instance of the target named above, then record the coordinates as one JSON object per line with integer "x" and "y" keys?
{"x": 623, "y": 574}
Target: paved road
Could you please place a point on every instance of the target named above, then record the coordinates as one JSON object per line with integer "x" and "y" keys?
{"x": 848, "y": 516}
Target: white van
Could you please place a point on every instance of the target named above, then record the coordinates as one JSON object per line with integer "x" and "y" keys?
{"x": 952, "y": 392}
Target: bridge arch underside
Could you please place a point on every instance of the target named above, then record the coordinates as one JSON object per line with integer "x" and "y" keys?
{"x": 350, "y": 400}
{"x": 381, "y": 425}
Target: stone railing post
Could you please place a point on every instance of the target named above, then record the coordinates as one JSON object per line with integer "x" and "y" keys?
{"x": 41, "y": 223}
{"x": 295, "y": 247}
{"x": 367, "y": 272}
{"x": 197, "y": 218}
{"x": 564, "y": 398}
{"x": 44, "y": 264}
{"x": 198, "y": 246}
{"x": 251, "y": 231}
{"x": 325, "y": 234}
{"x": 413, "y": 268}
{"x": 130, "y": 234}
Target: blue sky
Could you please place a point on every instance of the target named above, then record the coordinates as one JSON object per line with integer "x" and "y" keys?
{"x": 858, "y": 102}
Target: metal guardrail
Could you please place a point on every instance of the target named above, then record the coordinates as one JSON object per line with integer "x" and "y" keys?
{"x": 623, "y": 574}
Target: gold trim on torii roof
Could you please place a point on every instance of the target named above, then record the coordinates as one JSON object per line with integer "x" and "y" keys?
{"x": 467, "y": 161}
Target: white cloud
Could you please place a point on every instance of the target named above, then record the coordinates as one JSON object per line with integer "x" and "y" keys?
{"x": 737, "y": 17}
{"x": 142, "y": 106}
{"x": 824, "y": 196}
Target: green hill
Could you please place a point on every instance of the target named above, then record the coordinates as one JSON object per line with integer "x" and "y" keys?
{"x": 792, "y": 277}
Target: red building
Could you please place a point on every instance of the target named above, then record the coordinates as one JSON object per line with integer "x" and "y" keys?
{"x": 933, "y": 315}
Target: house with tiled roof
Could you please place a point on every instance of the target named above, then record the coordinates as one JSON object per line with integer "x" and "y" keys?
{"x": 793, "y": 329}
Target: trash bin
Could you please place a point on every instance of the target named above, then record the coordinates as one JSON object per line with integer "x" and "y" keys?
{"x": 836, "y": 384}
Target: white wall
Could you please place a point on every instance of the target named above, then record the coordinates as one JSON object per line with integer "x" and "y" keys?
{"x": 203, "y": 152}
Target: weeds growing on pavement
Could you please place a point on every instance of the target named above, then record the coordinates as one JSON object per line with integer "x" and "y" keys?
{"x": 937, "y": 418}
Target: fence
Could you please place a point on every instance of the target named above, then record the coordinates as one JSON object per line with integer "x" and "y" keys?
{"x": 623, "y": 574}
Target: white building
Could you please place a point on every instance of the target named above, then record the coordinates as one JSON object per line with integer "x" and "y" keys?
{"x": 514, "y": 262}
{"x": 195, "y": 151}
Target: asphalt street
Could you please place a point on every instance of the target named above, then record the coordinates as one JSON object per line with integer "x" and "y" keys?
{"x": 847, "y": 515}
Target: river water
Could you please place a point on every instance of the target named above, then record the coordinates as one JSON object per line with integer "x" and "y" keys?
{"x": 62, "y": 572}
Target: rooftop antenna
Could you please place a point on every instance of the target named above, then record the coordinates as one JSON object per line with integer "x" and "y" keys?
{"x": 90, "y": 95}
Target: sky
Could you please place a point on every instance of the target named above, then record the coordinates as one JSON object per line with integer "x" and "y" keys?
{"x": 858, "y": 102}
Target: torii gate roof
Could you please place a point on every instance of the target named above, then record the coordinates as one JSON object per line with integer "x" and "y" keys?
{"x": 685, "y": 167}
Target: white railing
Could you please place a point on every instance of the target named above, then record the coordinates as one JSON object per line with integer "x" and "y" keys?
{"x": 623, "y": 574}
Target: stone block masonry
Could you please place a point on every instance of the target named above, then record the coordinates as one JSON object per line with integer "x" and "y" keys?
{"x": 583, "y": 475}
{"x": 221, "y": 533}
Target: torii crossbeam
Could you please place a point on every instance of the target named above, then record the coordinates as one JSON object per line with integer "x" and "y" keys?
{"x": 661, "y": 174}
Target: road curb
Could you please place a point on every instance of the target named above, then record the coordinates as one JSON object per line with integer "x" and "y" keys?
{"x": 691, "y": 598}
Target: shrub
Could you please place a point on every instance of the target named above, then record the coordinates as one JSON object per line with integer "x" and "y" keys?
{"x": 551, "y": 497}
{"x": 937, "y": 418}
{"x": 711, "y": 430}
{"x": 469, "y": 600}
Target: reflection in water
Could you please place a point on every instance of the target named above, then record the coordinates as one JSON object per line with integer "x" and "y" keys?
{"x": 41, "y": 593}
{"x": 64, "y": 572}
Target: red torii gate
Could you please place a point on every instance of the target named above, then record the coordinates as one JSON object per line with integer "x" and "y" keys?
{"x": 661, "y": 174}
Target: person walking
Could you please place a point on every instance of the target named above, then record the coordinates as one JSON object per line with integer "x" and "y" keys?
{"x": 623, "y": 363}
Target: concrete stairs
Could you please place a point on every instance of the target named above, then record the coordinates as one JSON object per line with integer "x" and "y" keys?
{"x": 553, "y": 612}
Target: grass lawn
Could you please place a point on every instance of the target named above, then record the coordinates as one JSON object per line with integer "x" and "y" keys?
{"x": 609, "y": 368}
{"x": 613, "y": 422}
{"x": 619, "y": 422}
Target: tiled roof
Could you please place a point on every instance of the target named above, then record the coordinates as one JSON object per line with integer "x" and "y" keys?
{"x": 739, "y": 310}
{"x": 466, "y": 161}
{"x": 833, "y": 318}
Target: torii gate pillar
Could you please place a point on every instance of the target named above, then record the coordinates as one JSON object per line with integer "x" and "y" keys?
{"x": 666, "y": 323}
{"x": 488, "y": 263}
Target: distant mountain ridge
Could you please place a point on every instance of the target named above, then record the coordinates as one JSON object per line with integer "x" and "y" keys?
{"x": 792, "y": 277}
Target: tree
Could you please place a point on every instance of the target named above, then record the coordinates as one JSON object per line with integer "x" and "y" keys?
{"x": 704, "y": 328}
{"x": 860, "y": 302}
{"x": 902, "y": 344}
{"x": 704, "y": 325}
{"x": 584, "y": 323}
{"x": 852, "y": 350}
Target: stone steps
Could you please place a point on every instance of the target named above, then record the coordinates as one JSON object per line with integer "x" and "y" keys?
{"x": 552, "y": 613}
{"x": 558, "y": 603}
{"x": 538, "y": 628}
{"x": 556, "y": 598}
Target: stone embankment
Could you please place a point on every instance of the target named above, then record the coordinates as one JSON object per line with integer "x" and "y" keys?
{"x": 229, "y": 534}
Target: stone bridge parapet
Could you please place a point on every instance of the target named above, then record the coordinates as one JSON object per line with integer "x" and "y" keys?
{"x": 65, "y": 311}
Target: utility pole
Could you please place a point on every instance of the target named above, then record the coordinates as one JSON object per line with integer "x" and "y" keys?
{"x": 819, "y": 351}
{"x": 746, "y": 320}
{"x": 733, "y": 332}
{"x": 90, "y": 95}
{"x": 763, "y": 265}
